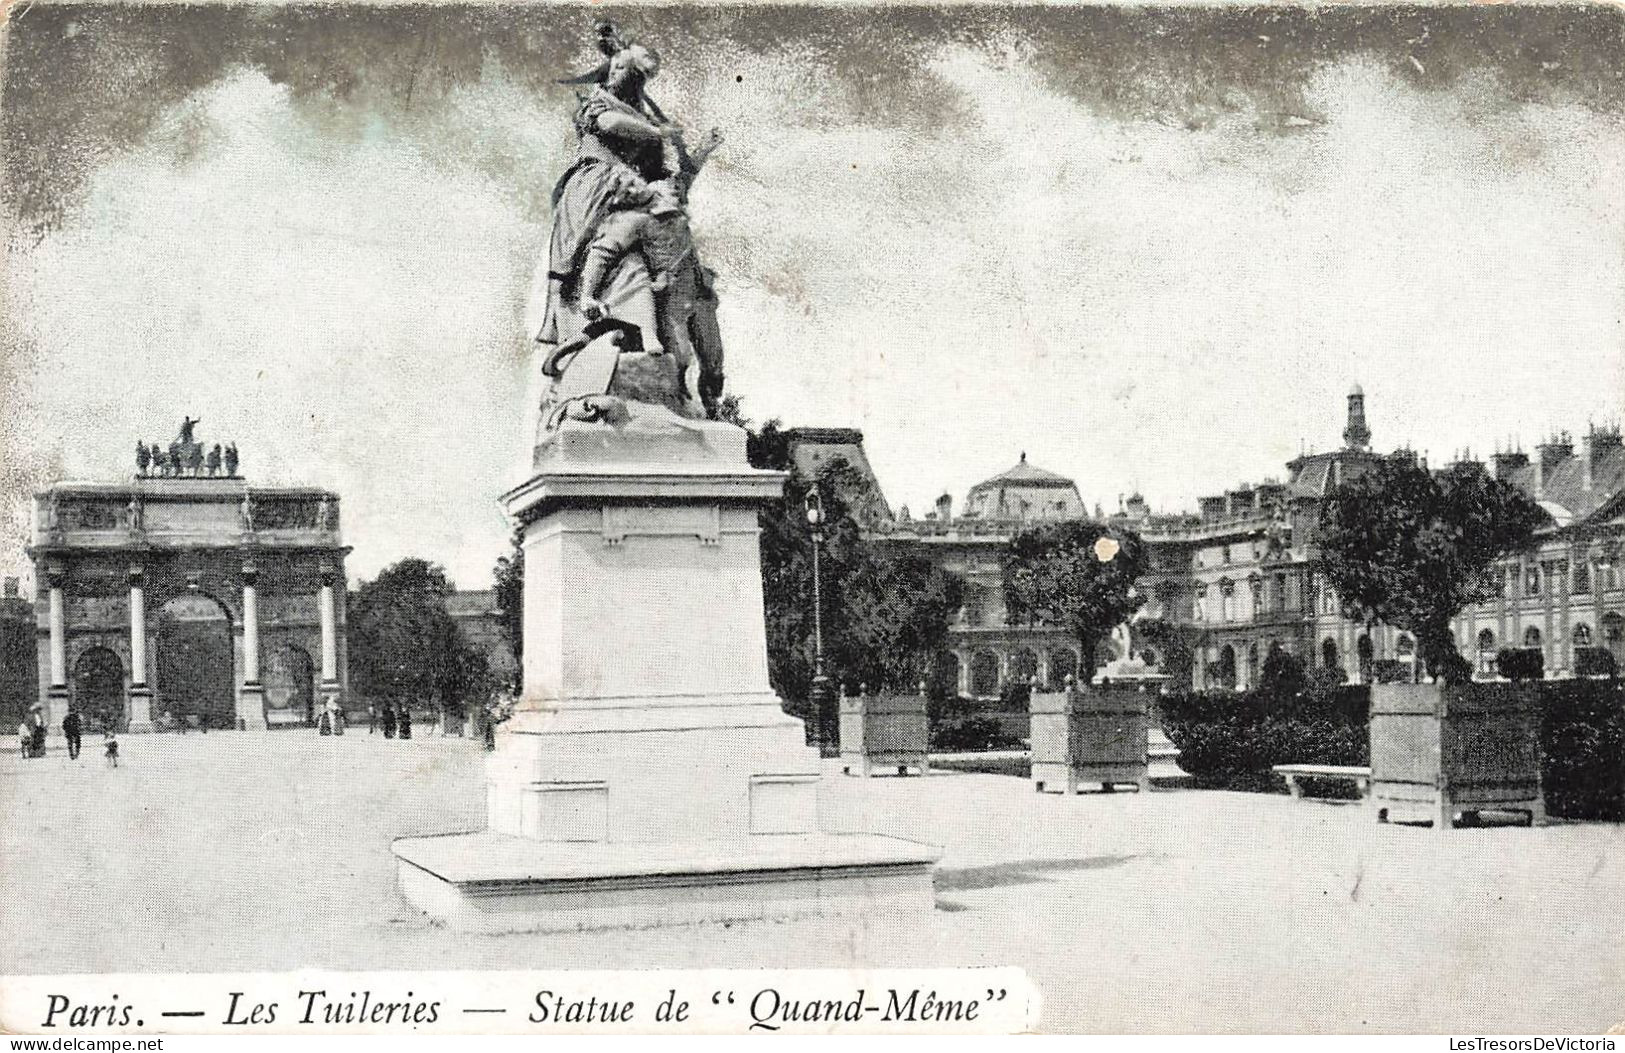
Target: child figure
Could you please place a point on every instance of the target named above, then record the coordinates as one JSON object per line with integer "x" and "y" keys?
{"x": 111, "y": 749}
{"x": 685, "y": 305}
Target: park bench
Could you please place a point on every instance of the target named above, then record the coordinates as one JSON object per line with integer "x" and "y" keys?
{"x": 1361, "y": 777}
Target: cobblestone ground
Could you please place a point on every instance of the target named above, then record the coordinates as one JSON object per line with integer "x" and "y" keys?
{"x": 1176, "y": 911}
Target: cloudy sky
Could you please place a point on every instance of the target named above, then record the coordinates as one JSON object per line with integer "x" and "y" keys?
{"x": 1151, "y": 248}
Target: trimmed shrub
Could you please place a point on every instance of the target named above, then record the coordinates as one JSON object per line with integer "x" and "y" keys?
{"x": 1390, "y": 671}
{"x": 964, "y": 725}
{"x": 1231, "y": 741}
{"x": 1521, "y": 663}
{"x": 1594, "y": 661}
{"x": 1583, "y": 748}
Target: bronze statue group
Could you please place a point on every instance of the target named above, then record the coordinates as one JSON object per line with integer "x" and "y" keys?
{"x": 621, "y": 254}
{"x": 186, "y": 457}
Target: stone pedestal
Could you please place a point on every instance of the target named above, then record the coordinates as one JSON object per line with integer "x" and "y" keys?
{"x": 650, "y": 775}
{"x": 57, "y": 700}
{"x": 140, "y": 708}
{"x": 251, "y": 707}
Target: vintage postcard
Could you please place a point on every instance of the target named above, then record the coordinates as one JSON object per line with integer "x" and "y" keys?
{"x": 914, "y": 518}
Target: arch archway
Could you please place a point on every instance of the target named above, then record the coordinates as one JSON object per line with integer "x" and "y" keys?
{"x": 196, "y": 677}
{"x": 984, "y": 674}
{"x": 1531, "y": 637}
{"x": 290, "y": 686}
{"x": 98, "y": 689}
{"x": 1613, "y": 634}
{"x": 1023, "y": 666}
{"x": 1328, "y": 653}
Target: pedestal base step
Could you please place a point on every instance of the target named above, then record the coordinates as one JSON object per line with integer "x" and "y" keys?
{"x": 494, "y": 883}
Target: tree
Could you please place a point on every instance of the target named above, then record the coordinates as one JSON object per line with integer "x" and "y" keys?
{"x": 1408, "y": 547}
{"x": 886, "y": 608}
{"x": 405, "y": 647}
{"x": 1078, "y": 575}
{"x": 508, "y": 589}
{"x": 1283, "y": 677}
{"x": 1177, "y": 644}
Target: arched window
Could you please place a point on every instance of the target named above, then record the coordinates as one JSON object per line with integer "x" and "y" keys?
{"x": 1582, "y": 635}
{"x": 1613, "y": 627}
{"x": 1405, "y": 647}
{"x": 1531, "y": 637}
{"x": 1226, "y": 672}
{"x": 1328, "y": 653}
{"x": 1486, "y": 640}
{"x": 1531, "y": 581}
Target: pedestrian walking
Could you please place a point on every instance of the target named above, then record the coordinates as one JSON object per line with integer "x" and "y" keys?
{"x": 405, "y": 722}
{"x": 110, "y": 747}
{"x": 39, "y": 735}
{"x": 73, "y": 732}
{"x": 387, "y": 719}
{"x": 25, "y": 739}
{"x": 372, "y": 717}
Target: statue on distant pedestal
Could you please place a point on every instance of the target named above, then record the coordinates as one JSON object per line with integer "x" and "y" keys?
{"x": 187, "y": 424}
{"x": 214, "y": 460}
{"x": 231, "y": 460}
{"x": 194, "y": 458}
{"x": 143, "y": 458}
{"x": 621, "y": 260}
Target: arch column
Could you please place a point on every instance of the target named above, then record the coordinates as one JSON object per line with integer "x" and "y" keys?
{"x": 57, "y": 693}
{"x": 963, "y": 686}
{"x": 251, "y": 693}
{"x": 140, "y": 692}
{"x": 331, "y": 689}
{"x": 1042, "y": 650}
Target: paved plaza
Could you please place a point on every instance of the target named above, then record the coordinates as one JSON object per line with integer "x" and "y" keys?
{"x": 1179, "y": 910}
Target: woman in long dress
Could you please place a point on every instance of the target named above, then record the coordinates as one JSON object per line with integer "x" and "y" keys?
{"x": 623, "y": 141}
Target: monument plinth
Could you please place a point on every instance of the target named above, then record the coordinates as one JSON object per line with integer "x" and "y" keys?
{"x": 649, "y": 774}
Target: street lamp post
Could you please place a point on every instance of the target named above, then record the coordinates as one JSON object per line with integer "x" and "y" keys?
{"x": 821, "y": 695}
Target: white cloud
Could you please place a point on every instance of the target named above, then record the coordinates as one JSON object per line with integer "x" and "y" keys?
{"x": 1133, "y": 304}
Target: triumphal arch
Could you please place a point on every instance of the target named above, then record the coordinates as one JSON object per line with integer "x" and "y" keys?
{"x": 183, "y": 596}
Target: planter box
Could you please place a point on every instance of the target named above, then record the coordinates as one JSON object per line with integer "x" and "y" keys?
{"x": 1089, "y": 735}
{"x": 883, "y": 731}
{"x": 1442, "y": 749}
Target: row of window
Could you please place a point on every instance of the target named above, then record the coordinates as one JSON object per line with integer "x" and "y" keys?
{"x": 1613, "y": 631}
{"x": 1554, "y": 576}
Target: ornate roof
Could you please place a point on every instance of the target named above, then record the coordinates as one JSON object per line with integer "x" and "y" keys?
{"x": 1024, "y": 474}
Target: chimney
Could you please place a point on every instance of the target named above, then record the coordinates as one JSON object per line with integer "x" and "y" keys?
{"x": 945, "y": 508}
{"x": 1548, "y": 455}
{"x": 1508, "y": 462}
{"x": 1356, "y": 436}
